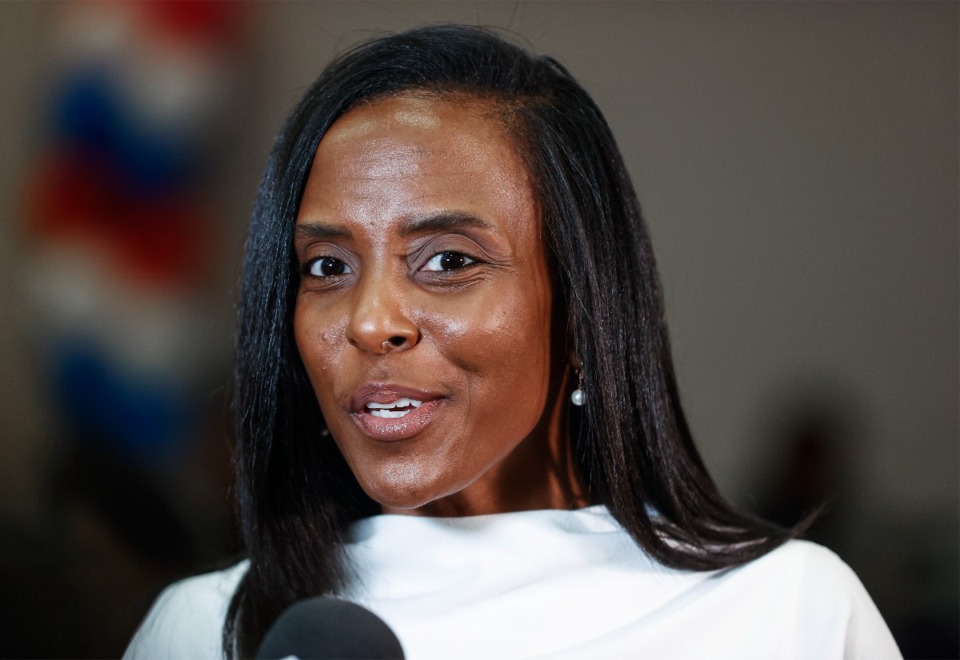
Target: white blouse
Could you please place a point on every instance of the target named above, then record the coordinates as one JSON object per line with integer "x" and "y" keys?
{"x": 559, "y": 584}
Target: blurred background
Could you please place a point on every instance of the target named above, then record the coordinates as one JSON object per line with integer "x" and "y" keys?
{"x": 798, "y": 167}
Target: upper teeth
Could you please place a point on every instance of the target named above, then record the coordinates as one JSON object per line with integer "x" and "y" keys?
{"x": 388, "y": 409}
{"x": 399, "y": 403}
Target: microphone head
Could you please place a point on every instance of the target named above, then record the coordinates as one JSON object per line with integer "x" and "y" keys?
{"x": 328, "y": 628}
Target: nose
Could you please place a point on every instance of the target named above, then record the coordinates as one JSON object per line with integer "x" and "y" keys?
{"x": 378, "y": 323}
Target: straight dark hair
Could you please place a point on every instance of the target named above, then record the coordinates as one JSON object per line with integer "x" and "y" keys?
{"x": 633, "y": 448}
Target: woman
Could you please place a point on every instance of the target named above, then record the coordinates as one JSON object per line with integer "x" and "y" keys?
{"x": 455, "y": 398}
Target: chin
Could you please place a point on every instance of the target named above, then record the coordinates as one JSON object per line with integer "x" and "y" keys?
{"x": 405, "y": 501}
{"x": 401, "y": 490}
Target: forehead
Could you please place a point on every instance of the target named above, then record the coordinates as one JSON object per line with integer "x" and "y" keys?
{"x": 415, "y": 154}
{"x": 437, "y": 123}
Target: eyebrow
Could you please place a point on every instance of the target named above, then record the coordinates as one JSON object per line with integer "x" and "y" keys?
{"x": 320, "y": 230}
{"x": 416, "y": 225}
{"x": 442, "y": 220}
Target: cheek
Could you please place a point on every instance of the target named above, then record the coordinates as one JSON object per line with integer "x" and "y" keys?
{"x": 501, "y": 340}
{"x": 319, "y": 339}
{"x": 479, "y": 334}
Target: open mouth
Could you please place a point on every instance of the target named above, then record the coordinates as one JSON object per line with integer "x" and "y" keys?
{"x": 388, "y": 412}
{"x": 394, "y": 410}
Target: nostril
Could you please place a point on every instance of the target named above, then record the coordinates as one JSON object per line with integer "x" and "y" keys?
{"x": 396, "y": 343}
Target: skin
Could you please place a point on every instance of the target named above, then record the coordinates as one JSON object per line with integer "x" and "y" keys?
{"x": 422, "y": 266}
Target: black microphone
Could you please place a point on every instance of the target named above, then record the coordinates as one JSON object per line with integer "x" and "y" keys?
{"x": 327, "y": 629}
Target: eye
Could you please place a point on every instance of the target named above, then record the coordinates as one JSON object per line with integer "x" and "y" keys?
{"x": 448, "y": 261}
{"x": 326, "y": 267}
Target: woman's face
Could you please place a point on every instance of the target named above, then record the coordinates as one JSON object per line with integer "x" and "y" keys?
{"x": 423, "y": 315}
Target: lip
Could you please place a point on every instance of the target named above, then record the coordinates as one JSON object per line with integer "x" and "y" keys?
{"x": 393, "y": 429}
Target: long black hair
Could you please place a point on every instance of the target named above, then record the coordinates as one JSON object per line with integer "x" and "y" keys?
{"x": 633, "y": 449}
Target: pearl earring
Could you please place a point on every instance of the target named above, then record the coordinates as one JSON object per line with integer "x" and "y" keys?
{"x": 578, "y": 396}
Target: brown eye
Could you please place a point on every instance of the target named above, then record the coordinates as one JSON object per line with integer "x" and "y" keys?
{"x": 448, "y": 261}
{"x": 327, "y": 267}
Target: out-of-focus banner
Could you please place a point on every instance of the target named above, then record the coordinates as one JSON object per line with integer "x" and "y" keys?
{"x": 121, "y": 232}
{"x": 121, "y": 226}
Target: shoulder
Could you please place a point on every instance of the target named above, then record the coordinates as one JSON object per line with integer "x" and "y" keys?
{"x": 812, "y": 574}
{"x": 805, "y": 560}
{"x": 186, "y": 621}
{"x": 825, "y": 599}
